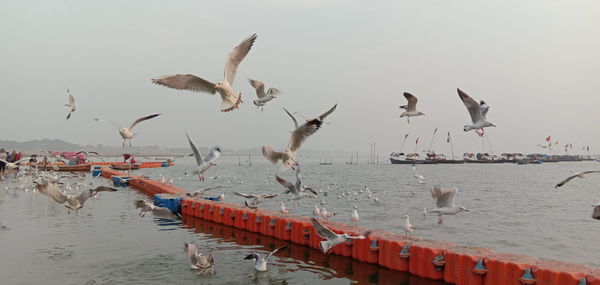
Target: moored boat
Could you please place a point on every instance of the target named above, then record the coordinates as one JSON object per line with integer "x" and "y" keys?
{"x": 412, "y": 161}
{"x": 125, "y": 166}
{"x": 79, "y": 167}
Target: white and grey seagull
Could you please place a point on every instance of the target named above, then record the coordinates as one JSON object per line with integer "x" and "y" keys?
{"x": 158, "y": 212}
{"x": 260, "y": 264}
{"x": 263, "y": 97}
{"x": 287, "y": 157}
{"x": 200, "y": 192}
{"x": 297, "y": 189}
{"x": 583, "y": 174}
{"x": 126, "y": 133}
{"x": 332, "y": 239}
{"x": 199, "y": 260}
{"x": 74, "y": 202}
{"x": 71, "y": 104}
{"x": 203, "y": 163}
{"x": 230, "y": 99}
{"x": 478, "y": 112}
{"x": 411, "y": 108}
{"x": 444, "y": 198}
{"x": 255, "y": 199}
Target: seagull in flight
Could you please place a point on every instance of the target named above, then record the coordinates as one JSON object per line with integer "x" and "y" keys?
{"x": 332, "y": 239}
{"x": 297, "y": 138}
{"x": 297, "y": 189}
{"x": 203, "y": 163}
{"x": 255, "y": 199}
{"x": 200, "y": 192}
{"x": 158, "y": 212}
{"x": 74, "y": 202}
{"x": 263, "y": 97}
{"x": 580, "y": 175}
{"x": 260, "y": 264}
{"x": 230, "y": 99}
{"x": 411, "y": 108}
{"x": 444, "y": 198}
{"x": 126, "y": 133}
{"x": 478, "y": 112}
{"x": 199, "y": 260}
{"x": 71, "y": 104}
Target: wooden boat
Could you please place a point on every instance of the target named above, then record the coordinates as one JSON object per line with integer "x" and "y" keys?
{"x": 79, "y": 167}
{"x": 412, "y": 161}
{"x": 450, "y": 161}
{"x": 125, "y": 166}
{"x": 482, "y": 161}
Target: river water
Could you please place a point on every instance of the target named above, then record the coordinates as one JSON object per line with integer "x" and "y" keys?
{"x": 513, "y": 209}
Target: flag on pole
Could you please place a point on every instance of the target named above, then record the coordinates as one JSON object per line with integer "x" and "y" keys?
{"x": 556, "y": 143}
{"x": 405, "y": 136}
{"x": 417, "y": 142}
{"x": 435, "y": 131}
{"x": 448, "y": 140}
{"x": 548, "y": 138}
{"x": 588, "y": 148}
{"x": 571, "y": 145}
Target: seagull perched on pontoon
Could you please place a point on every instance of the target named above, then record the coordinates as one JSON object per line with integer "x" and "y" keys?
{"x": 478, "y": 112}
{"x": 332, "y": 239}
{"x": 407, "y": 226}
{"x": 203, "y": 163}
{"x": 260, "y": 264}
{"x": 583, "y": 174}
{"x": 230, "y": 99}
{"x": 199, "y": 260}
{"x": 297, "y": 138}
{"x": 411, "y": 108}
{"x": 158, "y": 212}
{"x": 74, "y": 202}
{"x": 126, "y": 133}
{"x": 263, "y": 97}
{"x": 444, "y": 198}
{"x": 255, "y": 199}
{"x": 71, "y": 104}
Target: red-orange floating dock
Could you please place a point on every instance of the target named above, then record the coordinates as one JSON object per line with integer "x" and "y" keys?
{"x": 430, "y": 259}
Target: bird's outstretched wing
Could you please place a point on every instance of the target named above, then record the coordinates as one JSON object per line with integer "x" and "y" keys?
{"x": 52, "y": 190}
{"x": 293, "y": 118}
{"x": 289, "y": 186}
{"x": 247, "y": 196}
{"x": 274, "y": 251}
{"x": 143, "y": 119}
{"x": 213, "y": 154}
{"x": 197, "y": 154}
{"x": 115, "y": 124}
{"x": 412, "y": 102}
{"x": 259, "y": 86}
{"x": 271, "y": 155}
{"x": 236, "y": 56}
{"x": 186, "y": 82}
{"x": 580, "y": 174}
{"x": 472, "y": 106}
{"x": 322, "y": 231}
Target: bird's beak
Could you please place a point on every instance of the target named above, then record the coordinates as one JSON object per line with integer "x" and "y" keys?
{"x": 467, "y": 210}
{"x": 493, "y": 125}
{"x": 249, "y": 257}
{"x": 215, "y": 86}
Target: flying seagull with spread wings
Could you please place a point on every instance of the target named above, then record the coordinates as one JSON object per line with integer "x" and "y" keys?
{"x": 411, "y": 108}
{"x": 126, "y": 133}
{"x": 287, "y": 157}
{"x": 583, "y": 174}
{"x": 230, "y": 99}
{"x": 74, "y": 202}
{"x": 203, "y": 163}
{"x": 478, "y": 112}
{"x": 444, "y": 200}
{"x": 263, "y": 97}
{"x": 71, "y": 104}
{"x": 332, "y": 239}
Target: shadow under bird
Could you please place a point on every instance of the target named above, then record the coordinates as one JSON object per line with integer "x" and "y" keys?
{"x": 411, "y": 108}
{"x": 158, "y": 212}
{"x": 332, "y": 239}
{"x": 230, "y": 99}
{"x": 263, "y": 97}
{"x": 444, "y": 198}
{"x": 298, "y": 136}
{"x": 260, "y": 263}
{"x": 199, "y": 260}
{"x": 71, "y": 104}
{"x": 478, "y": 112}
{"x": 203, "y": 163}
{"x": 74, "y": 202}
{"x": 126, "y": 133}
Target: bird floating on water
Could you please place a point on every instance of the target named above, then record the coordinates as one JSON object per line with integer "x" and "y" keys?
{"x": 260, "y": 263}
{"x": 199, "y": 260}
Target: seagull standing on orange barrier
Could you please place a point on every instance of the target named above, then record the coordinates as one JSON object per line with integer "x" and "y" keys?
{"x": 230, "y": 99}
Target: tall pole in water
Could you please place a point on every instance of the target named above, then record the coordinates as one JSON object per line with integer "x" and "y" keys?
{"x": 451, "y": 145}
{"x": 374, "y": 151}
{"x": 356, "y": 157}
{"x": 404, "y": 141}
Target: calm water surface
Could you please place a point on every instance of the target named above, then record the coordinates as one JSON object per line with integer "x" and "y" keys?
{"x": 514, "y": 209}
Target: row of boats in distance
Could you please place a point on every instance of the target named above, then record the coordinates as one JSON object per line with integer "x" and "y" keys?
{"x": 518, "y": 158}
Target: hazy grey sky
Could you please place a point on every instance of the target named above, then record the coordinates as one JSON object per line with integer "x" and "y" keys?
{"x": 536, "y": 63}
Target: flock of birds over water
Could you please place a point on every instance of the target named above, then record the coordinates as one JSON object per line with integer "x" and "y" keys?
{"x": 74, "y": 195}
